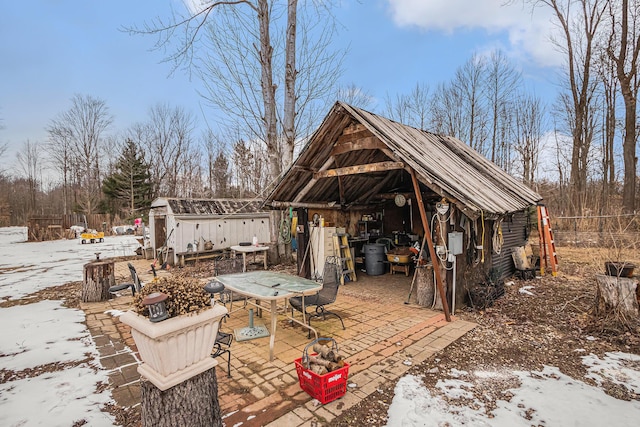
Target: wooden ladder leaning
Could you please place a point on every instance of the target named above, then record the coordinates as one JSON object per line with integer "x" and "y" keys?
{"x": 547, "y": 244}
{"x": 343, "y": 252}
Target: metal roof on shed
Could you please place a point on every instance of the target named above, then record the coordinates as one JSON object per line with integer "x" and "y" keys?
{"x": 210, "y": 206}
{"x": 446, "y": 165}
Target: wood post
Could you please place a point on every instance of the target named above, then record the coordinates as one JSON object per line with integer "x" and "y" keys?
{"x": 193, "y": 402}
{"x": 425, "y": 288}
{"x": 98, "y": 276}
{"x": 432, "y": 251}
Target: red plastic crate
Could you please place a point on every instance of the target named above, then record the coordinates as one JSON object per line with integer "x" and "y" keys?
{"x": 325, "y": 388}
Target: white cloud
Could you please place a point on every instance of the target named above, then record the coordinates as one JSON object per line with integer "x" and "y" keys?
{"x": 527, "y": 32}
{"x": 195, "y": 6}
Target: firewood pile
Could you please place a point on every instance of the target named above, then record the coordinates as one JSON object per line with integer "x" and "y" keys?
{"x": 326, "y": 360}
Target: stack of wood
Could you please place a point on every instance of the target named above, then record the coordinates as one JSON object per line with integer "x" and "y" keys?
{"x": 327, "y": 360}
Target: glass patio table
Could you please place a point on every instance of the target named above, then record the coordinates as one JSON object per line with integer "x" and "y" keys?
{"x": 271, "y": 286}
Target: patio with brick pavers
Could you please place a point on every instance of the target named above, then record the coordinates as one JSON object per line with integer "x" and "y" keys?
{"x": 382, "y": 339}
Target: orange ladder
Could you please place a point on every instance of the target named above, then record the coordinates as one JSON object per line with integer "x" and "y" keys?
{"x": 547, "y": 244}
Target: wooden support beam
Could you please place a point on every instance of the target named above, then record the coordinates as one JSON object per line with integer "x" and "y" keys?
{"x": 359, "y": 169}
{"x": 340, "y": 186}
{"x": 313, "y": 180}
{"x": 350, "y": 137}
{"x": 282, "y": 205}
{"x": 432, "y": 250}
{"x": 353, "y": 129}
{"x": 369, "y": 143}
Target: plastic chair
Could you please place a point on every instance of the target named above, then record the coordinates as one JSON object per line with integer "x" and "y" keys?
{"x": 387, "y": 242}
{"x": 327, "y": 295}
{"x": 135, "y": 286}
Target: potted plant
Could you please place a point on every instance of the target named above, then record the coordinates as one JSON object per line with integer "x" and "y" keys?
{"x": 178, "y": 348}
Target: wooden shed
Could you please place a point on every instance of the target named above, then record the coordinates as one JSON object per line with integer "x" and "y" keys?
{"x": 360, "y": 172}
{"x": 177, "y": 226}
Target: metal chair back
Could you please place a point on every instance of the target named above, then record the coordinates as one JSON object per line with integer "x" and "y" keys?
{"x": 330, "y": 282}
{"x": 137, "y": 284}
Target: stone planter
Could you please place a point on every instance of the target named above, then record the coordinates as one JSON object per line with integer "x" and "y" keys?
{"x": 175, "y": 349}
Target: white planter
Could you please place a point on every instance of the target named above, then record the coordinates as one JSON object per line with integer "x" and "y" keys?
{"x": 175, "y": 349}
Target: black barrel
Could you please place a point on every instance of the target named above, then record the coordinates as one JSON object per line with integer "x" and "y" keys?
{"x": 374, "y": 256}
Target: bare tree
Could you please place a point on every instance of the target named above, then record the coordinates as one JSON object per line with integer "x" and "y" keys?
{"x": 397, "y": 109}
{"x": 577, "y": 41}
{"x": 623, "y": 48}
{"x": 500, "y": 84}
{"x": 29, "y": 167}
{"x": 412, "y": 109}
{"x": 419, "y": 106}
{"x": 458, "y": 107}
{"x": 609, "y": 91}
{"x": 3, "y": 149}
{"x": 167, "y": 137}
{"x": 447, "y": 112}
{"x": 82, "y": 127}
{"x": 356, "y": 96}
{"x": 61, "y": 158}
{"x": 251, "y": 52}
{"x": 527, "y": 134}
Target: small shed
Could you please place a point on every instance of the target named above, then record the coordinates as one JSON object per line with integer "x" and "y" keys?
{"x": 377, "y": 178}
{"x": 205, "y": 225}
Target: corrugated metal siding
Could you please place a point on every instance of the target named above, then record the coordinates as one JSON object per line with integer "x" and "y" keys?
{"x": 514, "y": 233}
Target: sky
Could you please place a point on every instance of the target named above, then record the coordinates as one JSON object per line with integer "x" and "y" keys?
{"x": 44, "y": 332}
{"x": 52, "y": 50}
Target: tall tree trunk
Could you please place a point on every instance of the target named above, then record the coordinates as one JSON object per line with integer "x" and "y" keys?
{"x": 290, "y": 85}
{"x": 268, "y": 90}
{"x": 629, "y": 90}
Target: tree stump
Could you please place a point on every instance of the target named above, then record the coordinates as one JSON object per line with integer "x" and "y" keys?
{"x": 193, "y": 403}
{"x": 617, "y": 296}
{"x": 97, "y": 278}
{"x": 437, "y": 305}
{"x": 425, "y": 286}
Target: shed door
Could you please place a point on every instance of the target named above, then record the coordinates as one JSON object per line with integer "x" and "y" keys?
{"x": 160, "y": 228}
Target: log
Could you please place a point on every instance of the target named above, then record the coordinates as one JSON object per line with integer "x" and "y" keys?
{"x": 617, "y": 296}
{"x": 327, "y": 353}
{"x": 193, "y": 403}
{"x": 98, "y": 276}
{"x": 437, "y": 305}
{"x": 425, "y": 287}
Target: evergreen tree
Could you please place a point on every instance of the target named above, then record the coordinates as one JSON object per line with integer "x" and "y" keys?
{"x": 221, "y": 176}
{"x": 128, "y": 188}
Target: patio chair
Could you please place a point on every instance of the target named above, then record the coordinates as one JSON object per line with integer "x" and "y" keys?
{"x": 325, "y": 296}
{"x": 223, "y": 341}
{"x": 135, "y": 286}
{"x": 222, "y": 346}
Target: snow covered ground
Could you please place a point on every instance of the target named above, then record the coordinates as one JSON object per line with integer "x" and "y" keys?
{"x": 46, "y": 332}
{"x": 35, "y": 335}
{"x": 545, "y": 398}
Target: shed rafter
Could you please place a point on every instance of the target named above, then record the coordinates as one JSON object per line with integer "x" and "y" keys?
{"x": 359, "y": 169}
